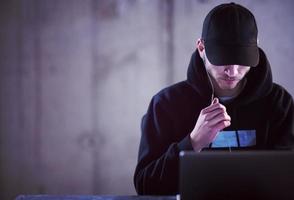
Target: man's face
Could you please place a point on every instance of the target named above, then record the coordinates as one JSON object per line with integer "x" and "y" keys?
{"x": 226, "y": 77}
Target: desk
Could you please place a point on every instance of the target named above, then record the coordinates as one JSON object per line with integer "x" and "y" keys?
{"x": 92, "y": 197}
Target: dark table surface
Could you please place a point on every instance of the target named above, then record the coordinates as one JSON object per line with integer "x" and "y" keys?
{"x": 92, "y": 197}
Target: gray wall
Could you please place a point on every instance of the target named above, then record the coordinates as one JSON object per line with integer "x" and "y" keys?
{"x": 76, "y": 76}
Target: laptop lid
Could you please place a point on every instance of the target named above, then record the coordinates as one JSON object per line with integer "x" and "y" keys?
{"x": 237, "y": 175}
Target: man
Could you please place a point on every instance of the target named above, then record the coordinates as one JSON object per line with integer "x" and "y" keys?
{"x": 228, "y": 102}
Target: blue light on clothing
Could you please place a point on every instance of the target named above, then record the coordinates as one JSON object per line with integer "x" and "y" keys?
{"x": 225, "y": 139}
{"x": 246, "y": 138}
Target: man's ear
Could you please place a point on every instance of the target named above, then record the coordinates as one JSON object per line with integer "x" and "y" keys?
{"x": 200, "y": 47}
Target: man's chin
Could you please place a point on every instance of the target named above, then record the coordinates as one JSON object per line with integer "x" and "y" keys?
{"x": 228, "y": 87}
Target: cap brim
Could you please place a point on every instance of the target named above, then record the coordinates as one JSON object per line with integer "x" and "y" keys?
{"x": 232, "y": 55}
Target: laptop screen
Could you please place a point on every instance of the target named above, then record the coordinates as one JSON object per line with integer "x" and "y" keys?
{"x": 237, "y": 175}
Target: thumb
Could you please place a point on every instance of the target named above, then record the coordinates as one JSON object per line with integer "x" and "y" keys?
{"x": 214, "y": 101}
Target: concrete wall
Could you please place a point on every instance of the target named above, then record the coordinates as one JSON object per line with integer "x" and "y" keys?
{"x": 76, "y": 76}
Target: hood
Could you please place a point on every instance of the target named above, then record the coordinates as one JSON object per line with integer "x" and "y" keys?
{"x": 259, "y": 80}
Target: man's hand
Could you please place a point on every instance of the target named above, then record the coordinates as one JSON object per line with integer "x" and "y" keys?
{"x": 211, "y": 120}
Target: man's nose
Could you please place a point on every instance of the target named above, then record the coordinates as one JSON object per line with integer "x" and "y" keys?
{"x": 231, "y": 70}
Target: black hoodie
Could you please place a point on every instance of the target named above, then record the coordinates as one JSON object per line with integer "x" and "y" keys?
{"x": 263, "y": 110}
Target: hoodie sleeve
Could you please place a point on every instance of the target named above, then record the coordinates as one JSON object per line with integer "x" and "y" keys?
{"x": 282, "y": 130}
{"x": 157, "y": 168}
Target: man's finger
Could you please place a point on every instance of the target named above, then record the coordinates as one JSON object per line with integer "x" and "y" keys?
{"x": 219, "y": 118}
{"x": 214, "y": 101}
{"x": 213, "y": 107}
{"x": 221, "y": 125}
{"x": 211, "y": 115}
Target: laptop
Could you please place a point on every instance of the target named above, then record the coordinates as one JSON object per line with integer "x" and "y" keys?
{"x": 237, "y": 175}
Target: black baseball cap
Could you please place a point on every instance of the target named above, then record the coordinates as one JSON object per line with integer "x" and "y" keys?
{"x": 230, "y": 36}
